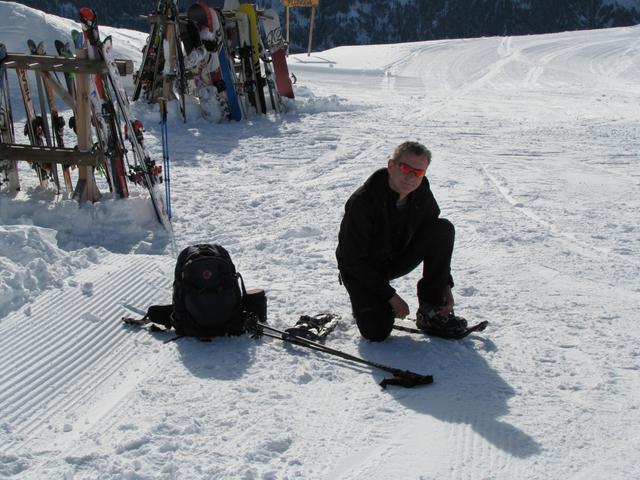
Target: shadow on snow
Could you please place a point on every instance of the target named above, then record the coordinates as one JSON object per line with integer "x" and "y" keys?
{"x": 465, "y": 390}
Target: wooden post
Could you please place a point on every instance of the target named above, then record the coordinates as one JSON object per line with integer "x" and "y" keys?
{"x": 170, "y": 63}
{"x": 86, "y": 188}
{"x": 313, "y": 15}
{"x": 301, "y": 3}
{"x": 288, "y": 20}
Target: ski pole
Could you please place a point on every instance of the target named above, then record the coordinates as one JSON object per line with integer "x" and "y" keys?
{"x": 404, "y": 378}
{"x": 165, "y": 156}
{"x": 173, "y": 339}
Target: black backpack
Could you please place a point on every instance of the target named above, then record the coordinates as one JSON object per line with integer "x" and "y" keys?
{"x": 207, "y": 300}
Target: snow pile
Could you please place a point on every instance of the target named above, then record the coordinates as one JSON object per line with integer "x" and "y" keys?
{"x": 19, "y": 23}
{"x": 32, "y": 263}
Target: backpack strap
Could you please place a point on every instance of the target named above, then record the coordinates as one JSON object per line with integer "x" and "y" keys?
{"x": 243, "y": 290}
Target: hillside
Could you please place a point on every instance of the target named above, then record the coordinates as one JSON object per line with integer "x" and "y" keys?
{"x": 535, "y": 143}
{"x": 348, "y": 22}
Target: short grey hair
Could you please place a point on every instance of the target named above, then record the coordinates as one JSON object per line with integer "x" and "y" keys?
{"x": 411, "y": 147}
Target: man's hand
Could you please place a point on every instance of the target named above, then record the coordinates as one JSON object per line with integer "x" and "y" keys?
{"x": 447, "y": 306}
{"x": 399, "y": 306}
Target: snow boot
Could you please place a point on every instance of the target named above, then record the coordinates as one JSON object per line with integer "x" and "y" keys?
{"x": 433, "y": 323}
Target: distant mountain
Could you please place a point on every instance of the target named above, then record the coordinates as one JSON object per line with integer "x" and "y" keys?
{"x": 357, "y": 22}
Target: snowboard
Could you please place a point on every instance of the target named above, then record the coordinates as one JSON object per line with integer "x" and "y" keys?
{"x": 222, "y": 75}
{"x": 278, "y": 49}
{"x": 227, "y": 69}
{"x": 210, "y": 87}
{"x": 253, "y": 40}
{"x": 246, "y": 63}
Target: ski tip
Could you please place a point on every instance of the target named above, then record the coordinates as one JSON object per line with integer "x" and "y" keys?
{"x": 87, "y": 14}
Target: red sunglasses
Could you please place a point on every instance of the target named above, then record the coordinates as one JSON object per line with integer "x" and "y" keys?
{"x": 404, "y": 168}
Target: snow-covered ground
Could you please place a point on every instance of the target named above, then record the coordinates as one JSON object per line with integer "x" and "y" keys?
{"x": 535, "y": 142}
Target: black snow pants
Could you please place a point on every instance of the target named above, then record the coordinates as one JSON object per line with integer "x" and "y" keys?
{"x": 432, "y": 246}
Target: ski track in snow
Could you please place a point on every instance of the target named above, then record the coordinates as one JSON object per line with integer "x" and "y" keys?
{"x": 535, "y": 143}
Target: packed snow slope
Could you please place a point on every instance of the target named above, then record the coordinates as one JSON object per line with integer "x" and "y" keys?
{"x": 535, "y": 143}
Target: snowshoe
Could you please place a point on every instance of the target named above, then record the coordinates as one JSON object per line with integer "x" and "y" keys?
{"x": 315, "y": 327}
{"x": 444, "y": 326}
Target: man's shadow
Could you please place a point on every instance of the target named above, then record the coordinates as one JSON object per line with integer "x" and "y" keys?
{"x": 465, "y": 390}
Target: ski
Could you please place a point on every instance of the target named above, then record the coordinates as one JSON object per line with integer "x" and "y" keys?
{"x": 77, "y": 37}
{"x": 106, "y": 120}
{"x": 8, "y": 168}
{"x": 64, "y": 50}
{"x": 51, "y": 167}
{"x": 174, "y": 84}
{"x": 146, "y": 166}
{"x": 278, "y": 49}
{"x": 57, "y": 121}
{"x": 479, "y": 327}
{"x": 180, "y": 84}
{"x": 33, "y": 125}
{"x": 145, "y": 77}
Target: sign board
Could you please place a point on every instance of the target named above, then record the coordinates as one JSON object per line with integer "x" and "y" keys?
{"x": 300, "y": 3}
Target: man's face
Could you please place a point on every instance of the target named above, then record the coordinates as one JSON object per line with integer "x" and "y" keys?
{"x": 405, "y": 173}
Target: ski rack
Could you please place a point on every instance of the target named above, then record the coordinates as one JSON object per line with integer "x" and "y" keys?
{"x": 166, "y": 39}
{"x": 54, "y": 63}
{"x": 62, "y": 156}
{"x": 85, "y": 155}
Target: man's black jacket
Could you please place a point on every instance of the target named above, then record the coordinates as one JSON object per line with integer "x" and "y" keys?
{"x": 366, "y": 239}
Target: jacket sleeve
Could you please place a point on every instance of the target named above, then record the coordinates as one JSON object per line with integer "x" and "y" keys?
{"x": 355, "y": 238}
